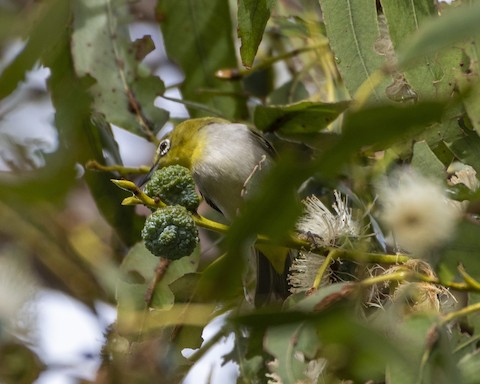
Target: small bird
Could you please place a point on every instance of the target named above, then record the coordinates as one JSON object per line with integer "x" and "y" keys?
{"x": 226, "y": 161}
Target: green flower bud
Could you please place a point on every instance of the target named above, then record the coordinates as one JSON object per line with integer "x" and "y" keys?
{"x": 173, "y": 185}
{"x": 170, "y": 232}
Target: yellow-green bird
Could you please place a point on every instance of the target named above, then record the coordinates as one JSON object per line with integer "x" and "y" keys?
{"x": 226, "y": 160}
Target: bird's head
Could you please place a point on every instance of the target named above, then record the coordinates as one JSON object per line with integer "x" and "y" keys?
{"x": 183, "y": 145}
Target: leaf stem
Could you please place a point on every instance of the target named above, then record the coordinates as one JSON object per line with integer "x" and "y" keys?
{"x": 323, "y": 268}
{"x": 408, "y": 275}
{"x": 460, "y": 313}
{"x": 229, "y": 74}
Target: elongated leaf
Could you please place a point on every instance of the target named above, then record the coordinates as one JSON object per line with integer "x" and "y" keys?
{"x": 432, "y": 76}
{"x": 198, "y": 36}
{"x": 52, "y": 17}
{"x": 426, "y": 163}
{"x": 303, "y": 117}
{"x": 469, "y": 367}
{"x": 252, "y": 19}
{"x": 138, "y": 269}
{"x": 378, "y": 127}
{"x": 455, "y": 26}
{"x": 86, "y": 138}
{"x": 461, "y": 250}
{"x": 466, "y": 148}
{"x": 101, "y": 49}
{"x": 352, "y": 30}
{"x": 469, "y": 84}
{"x": 292, "y": 345}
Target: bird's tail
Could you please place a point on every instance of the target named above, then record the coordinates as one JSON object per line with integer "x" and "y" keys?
{"x": 272, "y": 286}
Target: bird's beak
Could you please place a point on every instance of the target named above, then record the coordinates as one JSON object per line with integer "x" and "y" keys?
{"x": 147, "y": 177}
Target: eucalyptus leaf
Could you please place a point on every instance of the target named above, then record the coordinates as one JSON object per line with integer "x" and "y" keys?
{"x": 378, "y": 127}
{"x": 469, "y": 367}
{"x": 455, "y": 26}
{"x": 426, "y": 163}
{"x": 352, "y": 30}
{"x": 301, "y": 117}
{"x": 431, "y": 76}
{"x": 43, "y": 33}
{"x": 252, "y": 19}
{"x": 474, "y": 319}
{"x": 86, "y": 136}
{"x": 290, "y": 92}
{"x": 462, "y": 249}
{"x": 101, "y": 49}
{"x": 139, "y": 267}
{"x": 292, "y": 345}
{"x": 198, "y": 37}
{"x": 466, "y": 148}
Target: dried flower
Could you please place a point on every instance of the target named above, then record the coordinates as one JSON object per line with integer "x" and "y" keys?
{"x": 467, "y": 176}
{"x": 410, "y": 297}
{"x": 417, "y": 211}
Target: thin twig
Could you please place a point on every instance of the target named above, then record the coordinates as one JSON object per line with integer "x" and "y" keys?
{"x": 160, "y": 271}
{"x": 122, "y": 170}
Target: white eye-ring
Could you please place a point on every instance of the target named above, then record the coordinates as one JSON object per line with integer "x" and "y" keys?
{"x": 163, "y": 147}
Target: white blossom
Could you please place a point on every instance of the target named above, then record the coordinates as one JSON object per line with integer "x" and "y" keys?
{"x": 324, "y": 226}
{"x": 417, "y": 211}
{"x": 303, "y": 271}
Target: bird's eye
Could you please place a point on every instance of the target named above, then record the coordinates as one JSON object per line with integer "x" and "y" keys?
{"x": 163, "y": 147}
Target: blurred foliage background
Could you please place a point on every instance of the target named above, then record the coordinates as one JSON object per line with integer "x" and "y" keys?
{"x": 346, "y": 91}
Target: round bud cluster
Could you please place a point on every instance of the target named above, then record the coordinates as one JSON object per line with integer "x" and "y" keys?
{"x": 170, "y": 232}
{"x": 174, "y": 185}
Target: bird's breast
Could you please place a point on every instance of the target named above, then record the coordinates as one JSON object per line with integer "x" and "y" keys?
{"x": 229, "y": 166}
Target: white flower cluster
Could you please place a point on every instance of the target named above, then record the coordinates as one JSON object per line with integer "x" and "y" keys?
{"x": 417, "y": 211}
{"x": 324, "y": 228}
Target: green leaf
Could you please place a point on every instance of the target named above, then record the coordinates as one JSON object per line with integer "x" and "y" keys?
{"x": 474, "y": 318}
{"x": 101, "y": 49}
{"x": 43, "y": 33}
{"x": 138, "y": 269}
{"x": 290, "y": 92}
{"x": 426, "y": 349}
{"x": 378, "y": 127}
{"x": 470, "y": 84}
{"x": 426, "y": 163}
{"x": 455, "y": 26}
{"x": 463, "y": 249}
{"x": 329, "y": 294}
{"x": 466, "y": 148}
{"x": 252, "y": 19}
{"x": 302, "y": 117}
{"x": 87, "y": 137}
{"x": 198, "y": 37}
{"x": 292, "y": 345}
{"x": 185, "y": 288}
{"x": 352, "y": 30}
{"x": 469, "y": 367}
{"x": 432, "y": 76}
